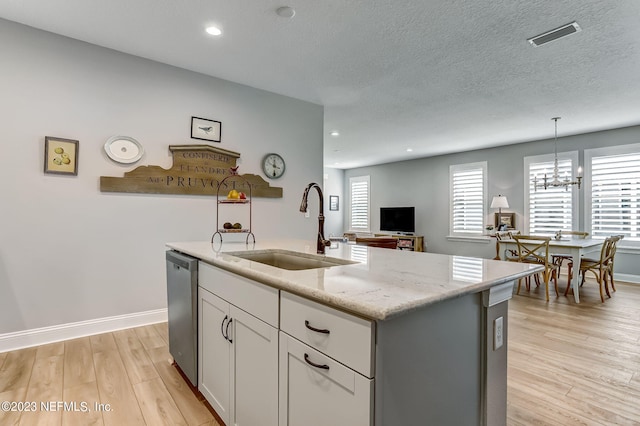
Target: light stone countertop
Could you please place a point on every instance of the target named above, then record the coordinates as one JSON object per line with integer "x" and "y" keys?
{"x": 383, "y": 284}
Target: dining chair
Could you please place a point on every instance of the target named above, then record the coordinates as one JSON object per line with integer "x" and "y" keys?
{"x": 504, "y": 235}
{"x": 602, "y": 268}
{"x": 610, "y": 269}
{"x": 383, "y": 242}
{"x": 512, "y": 255}
{"x": 535, "y": 249}
{"x": 559, "y": 258}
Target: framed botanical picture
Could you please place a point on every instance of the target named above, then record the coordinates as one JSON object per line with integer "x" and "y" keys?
{"x": 508, "y": 219}
{"x": 206, "y": 130}
{"x": 334, "y": 203}
{"x": 60, "y": 156}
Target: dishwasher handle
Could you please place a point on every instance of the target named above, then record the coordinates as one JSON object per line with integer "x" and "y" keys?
{"x": 179, "y": 261}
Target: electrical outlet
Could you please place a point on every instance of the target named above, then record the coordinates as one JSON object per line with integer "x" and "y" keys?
{"x": 498, "y": 333}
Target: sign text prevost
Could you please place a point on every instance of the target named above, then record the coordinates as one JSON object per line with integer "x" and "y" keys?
{"x": 196, "y": 170}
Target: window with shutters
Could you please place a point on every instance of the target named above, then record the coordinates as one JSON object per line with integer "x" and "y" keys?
{"x": 553, "y": 209}
{"x": 359, "y": 204}
{"x": 612, "y": 192}
{"x": 468, "y": 187}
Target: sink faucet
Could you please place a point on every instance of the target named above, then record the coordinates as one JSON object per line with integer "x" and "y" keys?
{"x": 322, "y": 243}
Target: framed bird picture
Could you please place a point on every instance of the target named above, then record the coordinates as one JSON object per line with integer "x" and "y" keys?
{"x": 206, "y": 130}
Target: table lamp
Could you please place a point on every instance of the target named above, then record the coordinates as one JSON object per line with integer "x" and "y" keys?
{"x": 499, "y": 202}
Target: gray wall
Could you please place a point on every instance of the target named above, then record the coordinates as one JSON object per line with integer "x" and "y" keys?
{"x": 71, "y": 253}
{"x": 424, "y": 183}
{"x": 333, "y": 185}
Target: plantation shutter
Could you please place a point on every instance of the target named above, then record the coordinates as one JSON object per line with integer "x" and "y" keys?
{"x": 551, "y": 209}
{"x": 359, "y": 203}
{"x": 467, "y": 198}
{"x": 615, "y": 196}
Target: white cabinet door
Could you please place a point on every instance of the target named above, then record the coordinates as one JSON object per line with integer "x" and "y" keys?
{"x": 214, "y": 372}
{"x": 254, "y": 363}
{"x": 315, "y": 390}
{"x": 238, "y": 363}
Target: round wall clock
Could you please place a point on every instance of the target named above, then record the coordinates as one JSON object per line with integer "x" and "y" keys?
{"x": 273, "y": 166}
{"x": 123, "y": 149}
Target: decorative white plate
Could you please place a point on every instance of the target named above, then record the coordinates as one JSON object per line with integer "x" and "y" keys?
{"x": 123, "y": 149}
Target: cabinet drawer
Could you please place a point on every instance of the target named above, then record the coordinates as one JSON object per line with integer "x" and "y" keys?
{"x": 344, "y": 337}
{"x": 258, "y": 299}
{"x": 327, "y": 393}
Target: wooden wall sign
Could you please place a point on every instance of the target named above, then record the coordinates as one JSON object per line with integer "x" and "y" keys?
{"x": 196, "y": 170}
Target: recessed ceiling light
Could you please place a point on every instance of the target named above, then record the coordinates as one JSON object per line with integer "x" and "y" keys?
{"x": 286, "y": 12}
{"x": 409, "y": 149}
{"x": 214, "y": 31}
{"x": 335, "y": 133}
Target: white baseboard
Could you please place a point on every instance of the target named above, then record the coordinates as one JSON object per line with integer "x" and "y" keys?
{"x": 57, "y": 333}
{"x": 627, "y": 278}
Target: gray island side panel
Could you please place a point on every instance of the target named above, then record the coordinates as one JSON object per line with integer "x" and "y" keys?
{"x": 429, "y": 365}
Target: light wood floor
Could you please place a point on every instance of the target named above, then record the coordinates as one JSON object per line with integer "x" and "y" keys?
{"x": 574, "y": 364}
{"x": 127, "y": 369}
{"x": 568, "y": 365}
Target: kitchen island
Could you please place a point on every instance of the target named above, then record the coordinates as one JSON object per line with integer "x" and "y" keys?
{"x": 381, "y": 337}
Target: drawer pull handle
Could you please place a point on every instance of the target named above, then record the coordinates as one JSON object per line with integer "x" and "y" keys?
{"x": 317, "y": 330}
{"x": 313, "y": 364}
{"x": 222, "y": 327}
{"x": 228, "y": 324}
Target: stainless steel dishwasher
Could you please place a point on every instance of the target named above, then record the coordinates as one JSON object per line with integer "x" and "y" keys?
{"x": 182, "y": 306}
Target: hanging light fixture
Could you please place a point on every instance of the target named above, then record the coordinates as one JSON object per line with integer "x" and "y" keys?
{"x": 556, "y": 182}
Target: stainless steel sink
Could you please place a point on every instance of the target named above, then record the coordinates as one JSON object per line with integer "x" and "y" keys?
{"x": 290, "y": 260}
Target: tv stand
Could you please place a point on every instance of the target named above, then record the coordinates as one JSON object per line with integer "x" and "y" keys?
{"x": 407, "y": 242}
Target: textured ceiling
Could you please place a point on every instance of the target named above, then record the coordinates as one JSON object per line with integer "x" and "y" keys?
{"x": 437, "y": 76}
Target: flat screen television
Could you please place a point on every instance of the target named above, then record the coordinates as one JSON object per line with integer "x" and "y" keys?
{"x": 398, "y": 219}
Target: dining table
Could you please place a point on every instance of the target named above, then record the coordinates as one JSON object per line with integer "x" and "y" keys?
{"x": 574, "y": 247}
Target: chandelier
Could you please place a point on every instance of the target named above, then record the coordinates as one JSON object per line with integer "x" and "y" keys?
{"x": 555, "y": 181}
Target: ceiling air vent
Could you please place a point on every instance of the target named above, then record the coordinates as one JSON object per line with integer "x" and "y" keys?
{"x": 552, "y": 35}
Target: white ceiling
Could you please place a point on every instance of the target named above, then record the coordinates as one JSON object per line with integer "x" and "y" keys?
{"x": 437, "y": 76}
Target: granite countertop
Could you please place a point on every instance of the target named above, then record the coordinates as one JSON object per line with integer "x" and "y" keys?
{"x": 383, "y": 284}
